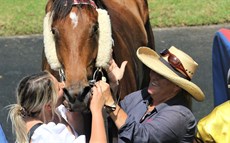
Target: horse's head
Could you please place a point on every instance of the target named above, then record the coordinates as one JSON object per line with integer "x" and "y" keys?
{"x": 75, "y": 44}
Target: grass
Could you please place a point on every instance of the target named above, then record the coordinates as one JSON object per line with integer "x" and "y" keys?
{"x": 168, "y": 13}
{"x": 23, "y": 17}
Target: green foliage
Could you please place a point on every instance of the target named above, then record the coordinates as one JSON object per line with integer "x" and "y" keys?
{"x": 23, "y": 17}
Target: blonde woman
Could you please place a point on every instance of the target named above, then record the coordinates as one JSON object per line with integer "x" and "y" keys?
{"x": 35, "y": 117}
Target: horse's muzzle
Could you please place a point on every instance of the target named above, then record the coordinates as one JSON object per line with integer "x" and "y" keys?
{"x": 79, "y": 103}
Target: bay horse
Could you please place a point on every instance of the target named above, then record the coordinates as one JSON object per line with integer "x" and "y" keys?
{"x": 81, "y": 36}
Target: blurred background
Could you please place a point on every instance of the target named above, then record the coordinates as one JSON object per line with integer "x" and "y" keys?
{"x": 188, "y": 25}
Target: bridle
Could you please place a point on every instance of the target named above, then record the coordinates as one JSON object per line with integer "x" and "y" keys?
{"x": 61, "y": 75}
{"x": 98, "y": 70}
{"x": 105, "y": 43}
{"x": 105, "y": 38}
{"x": 89, "y": 2}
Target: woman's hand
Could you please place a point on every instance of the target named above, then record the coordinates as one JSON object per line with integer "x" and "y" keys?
{"x": 101, "y": 95}
{"x": 97, "y": 100}
{"x": 106, "y": 93}
{"x": 114, "y": 72}
{"x": 98, "y": 133}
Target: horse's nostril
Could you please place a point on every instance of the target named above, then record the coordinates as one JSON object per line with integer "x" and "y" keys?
{"x": 80, "y": 94}
{"x": 83, "y": 95}
{"x": 68, "y": 96}
{"x": 78, "y": 100}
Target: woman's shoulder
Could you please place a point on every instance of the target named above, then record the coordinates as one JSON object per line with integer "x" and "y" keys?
{"x": 52, "y": 132}
{"x": 52, "y": 127}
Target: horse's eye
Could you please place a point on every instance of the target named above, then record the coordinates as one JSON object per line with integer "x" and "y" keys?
{"x": 54, "y": 31}
{"x": 95, "y": 29}
{"x": 92, "y": 63}
{"x": 90, "y": 67}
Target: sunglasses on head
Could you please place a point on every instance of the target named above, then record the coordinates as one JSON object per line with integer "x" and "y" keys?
{"x": 174, "y": 62}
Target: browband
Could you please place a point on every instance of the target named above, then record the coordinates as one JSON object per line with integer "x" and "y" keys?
{"x": 90, "y": 2}
{"x": 105, "y": 41}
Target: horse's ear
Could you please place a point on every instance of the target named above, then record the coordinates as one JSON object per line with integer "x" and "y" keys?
{"x": 49, "y": 6}
{"x": 100, "y": 4}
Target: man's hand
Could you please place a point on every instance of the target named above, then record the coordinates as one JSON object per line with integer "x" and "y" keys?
{"x": 114, "y": 72}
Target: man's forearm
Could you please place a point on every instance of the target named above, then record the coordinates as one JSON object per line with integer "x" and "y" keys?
{"x": 118, "y": 116}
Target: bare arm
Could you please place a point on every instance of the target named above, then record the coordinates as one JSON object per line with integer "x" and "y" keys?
{"x": 98, "y": 129}
{"x": 98, "y": 133}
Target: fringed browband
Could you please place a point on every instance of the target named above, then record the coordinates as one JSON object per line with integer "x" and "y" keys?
{"x": 105, "y": 41}
{"x": 90, "y": 2}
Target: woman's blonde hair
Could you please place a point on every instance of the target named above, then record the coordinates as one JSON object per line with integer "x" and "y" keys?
{"x": 33, "y": 93}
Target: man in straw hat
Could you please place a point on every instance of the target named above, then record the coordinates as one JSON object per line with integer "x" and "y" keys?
{"x": 160, "y": 112}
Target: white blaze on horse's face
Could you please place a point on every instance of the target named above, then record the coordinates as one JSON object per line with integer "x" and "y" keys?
{"x": 74, "y": 18}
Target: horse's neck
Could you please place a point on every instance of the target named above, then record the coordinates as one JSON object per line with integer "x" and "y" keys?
{"x": 137, "y": 7}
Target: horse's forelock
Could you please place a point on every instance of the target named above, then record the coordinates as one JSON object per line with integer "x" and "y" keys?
{"x": 61, "y": 8}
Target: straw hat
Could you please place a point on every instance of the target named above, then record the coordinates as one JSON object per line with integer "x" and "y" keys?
{"x": 161, "y": 65}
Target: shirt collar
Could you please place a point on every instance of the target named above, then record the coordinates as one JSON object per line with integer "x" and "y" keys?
{"x": 177, "y": 100}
